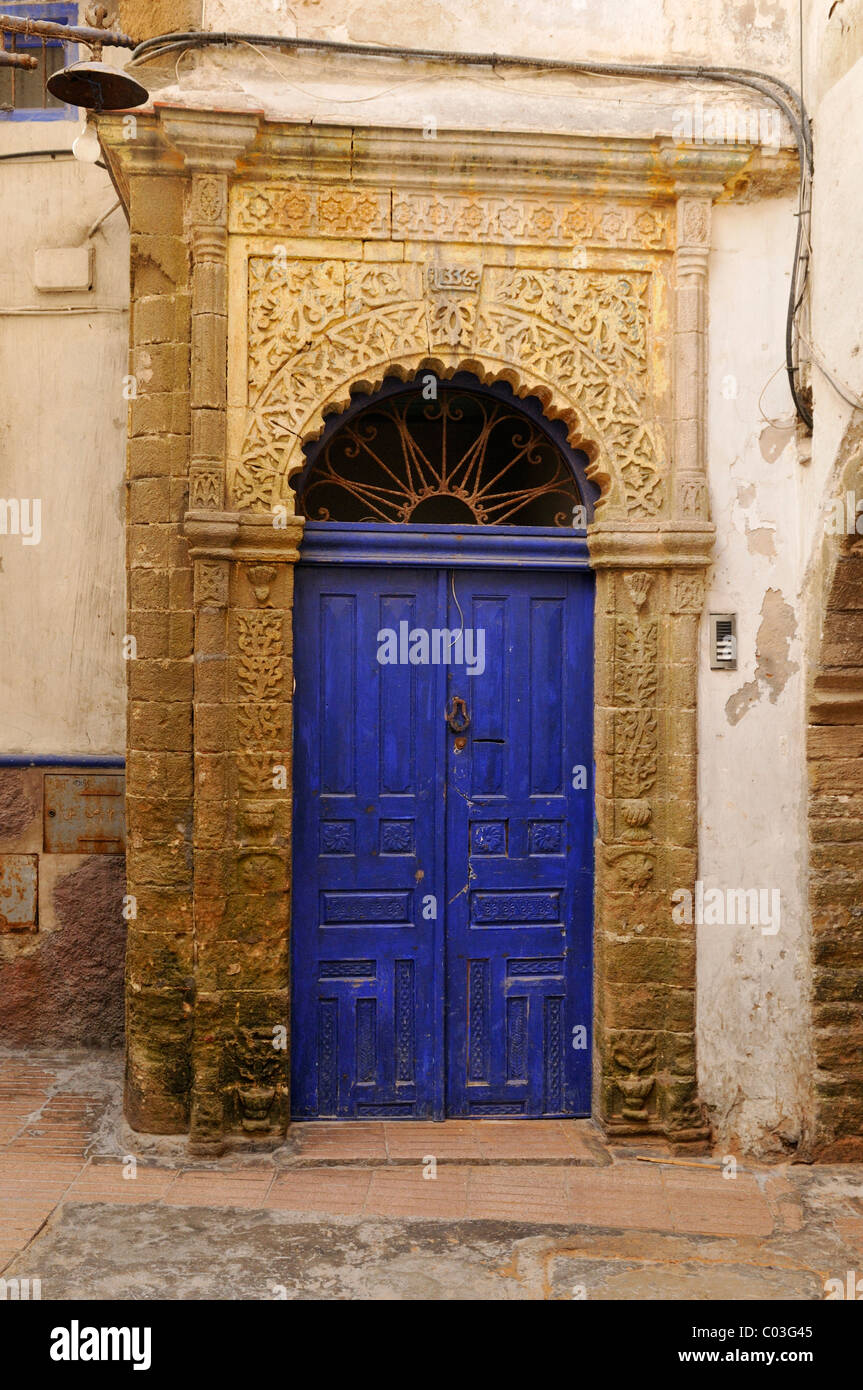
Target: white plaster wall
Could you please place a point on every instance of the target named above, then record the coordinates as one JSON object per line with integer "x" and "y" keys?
{"x": 837, "y": 291}
{"x": 746, "y": 32}
{"x": 62, "y": 440}
{"x": 753, "y": 1029}
{"x": 342, "y": 88}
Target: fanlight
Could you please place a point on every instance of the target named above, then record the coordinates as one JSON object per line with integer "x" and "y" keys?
{"x": 465, "y": 458}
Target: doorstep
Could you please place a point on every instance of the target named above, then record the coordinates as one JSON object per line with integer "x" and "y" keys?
{"x": 379, "y": 1143}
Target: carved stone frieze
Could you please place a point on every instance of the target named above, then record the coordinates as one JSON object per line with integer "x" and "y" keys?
{"x": 580, "y": 337}
{"x": 635, "y": 662}
{"x": 635, "y": 1059}
{"x": 265, "y": 208}
{"x": 547, "y": 221}
{"x": 211, "y": 584}
{"x": 293, "y": 211}
{"x": 687, "y": 592}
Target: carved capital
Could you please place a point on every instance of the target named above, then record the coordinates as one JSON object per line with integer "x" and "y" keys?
{"x": 211, "y": 533}
{"x": 269, "y": 537}
{"x": 693, "y": 223}
{"x": 613, "y": 546}
{"x": 207, "y": 214}
{"x": 210, "y": 141}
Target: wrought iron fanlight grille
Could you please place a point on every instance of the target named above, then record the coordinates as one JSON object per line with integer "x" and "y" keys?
{"x": 467, "y": 457}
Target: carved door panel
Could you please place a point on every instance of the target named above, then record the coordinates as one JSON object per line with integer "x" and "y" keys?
{"x": 442, "y": 875}
{"x": 519, "y": 842}
{"x": 368, "y": 848}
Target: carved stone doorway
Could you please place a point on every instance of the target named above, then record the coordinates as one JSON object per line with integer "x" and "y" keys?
{"x": 296, "y": 269}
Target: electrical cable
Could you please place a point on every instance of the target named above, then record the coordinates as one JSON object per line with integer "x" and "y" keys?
{"x": 781, "y": 93}
{"x": 30, "y": 154}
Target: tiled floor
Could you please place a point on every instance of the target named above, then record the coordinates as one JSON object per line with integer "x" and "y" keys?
{"x": 452, "y": 1141}
{"x": 556, "y": 1171}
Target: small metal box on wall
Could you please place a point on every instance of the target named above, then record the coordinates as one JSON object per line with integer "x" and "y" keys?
{"x": 723, "y": 641}
{"x": 84, "y": 814}
{"x": 18, "y": 892}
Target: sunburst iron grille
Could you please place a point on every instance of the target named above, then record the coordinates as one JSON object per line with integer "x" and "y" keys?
{"x": 462, "y": 459}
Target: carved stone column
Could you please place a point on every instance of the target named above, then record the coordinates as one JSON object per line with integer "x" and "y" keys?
{"x": 208, "y": 232}
{"x": 691, "y": 501}
{"x": 210, "y": 535}
{"x": 255, "y": 941}
{"x": 649, "y": 596}
{"x": 210, "y": 147}
{"x": 210, "y": 532}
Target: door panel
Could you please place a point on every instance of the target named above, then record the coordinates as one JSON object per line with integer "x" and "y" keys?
{"x": 518, "y": 849}
{"x": 367, "y": 1025}
{"x": 442, "y": 897}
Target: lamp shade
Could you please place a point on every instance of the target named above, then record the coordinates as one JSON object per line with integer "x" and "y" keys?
{"x": 97, "y": 86}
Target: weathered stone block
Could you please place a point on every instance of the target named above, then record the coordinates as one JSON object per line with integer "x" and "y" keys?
{"x": 148, "y": 546}
{"x": 158, "y": 1063}
{"x": 148, "y": 588}
{"x": 161, "y": 680}
{"x": 160, "y": 263}
{"x": 160, "y": 727}
{"x": 181, "y": 630}
{"x": 160, "y": 960}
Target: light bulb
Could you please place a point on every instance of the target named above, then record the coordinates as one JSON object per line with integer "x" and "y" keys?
{"x": 86, "y": 147}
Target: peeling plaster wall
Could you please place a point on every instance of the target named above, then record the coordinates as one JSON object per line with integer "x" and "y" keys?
{"x": 837, "y": 288}
{"x": 748, "y": 32}
{"x": 61, "y": 973}
{"x": 753, "y": 1023}
{"x": 832, "y": 631}
{"x": 62, "y": 440}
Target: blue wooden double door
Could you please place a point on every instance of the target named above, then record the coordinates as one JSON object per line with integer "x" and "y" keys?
{"x": 443, "y": 822}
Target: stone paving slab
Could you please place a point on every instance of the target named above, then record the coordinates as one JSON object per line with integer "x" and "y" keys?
{"x": 94, "y": 1251}
{"x": 506, "y": 1211}
{"x": 564, "y": 1142}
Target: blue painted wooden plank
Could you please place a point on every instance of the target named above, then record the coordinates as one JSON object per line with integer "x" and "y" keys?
{"x": 442, "y": 896}
{"x": 519, "y": 852}
{"x": 367, "y": 1020}
{"x": 376, "y": 544}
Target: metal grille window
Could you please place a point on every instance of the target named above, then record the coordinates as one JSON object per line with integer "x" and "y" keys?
{"x": 23, "y": 91}
{"x": 464, "y": 455}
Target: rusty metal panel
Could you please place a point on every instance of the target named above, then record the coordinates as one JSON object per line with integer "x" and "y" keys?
{"x": 19, "y": 877}
{"x": 84, "y": 814}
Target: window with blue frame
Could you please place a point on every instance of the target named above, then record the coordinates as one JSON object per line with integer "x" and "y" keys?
{"x": 23, "y": 92}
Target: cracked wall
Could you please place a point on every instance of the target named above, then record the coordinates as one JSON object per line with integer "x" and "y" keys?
{"x": 753, "y": 1011}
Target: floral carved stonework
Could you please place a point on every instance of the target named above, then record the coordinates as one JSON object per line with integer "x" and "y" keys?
{"x": 582, "y": 339}
{"x": 307, "y": 266}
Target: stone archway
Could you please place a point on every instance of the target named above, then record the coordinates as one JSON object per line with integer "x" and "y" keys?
{"x": 835, "y": 749}
{"x": 308, "y": 290}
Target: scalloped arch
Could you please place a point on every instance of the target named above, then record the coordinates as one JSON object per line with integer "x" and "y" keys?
{"x": 588, "y": 370}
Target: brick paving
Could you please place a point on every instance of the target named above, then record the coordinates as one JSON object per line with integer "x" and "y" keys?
{"x": 52, "y": 1155}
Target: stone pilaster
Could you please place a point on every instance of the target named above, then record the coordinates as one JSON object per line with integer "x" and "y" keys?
{"x": 159, "y": 960}
{"x": 211, "y": 534}
{"x": 649, "y": 597}
{"x": 255, "y": 945}
{"x": 208, "y": 234}
{"x": 210, "y": 148}
{"x": 691, "y": 502}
